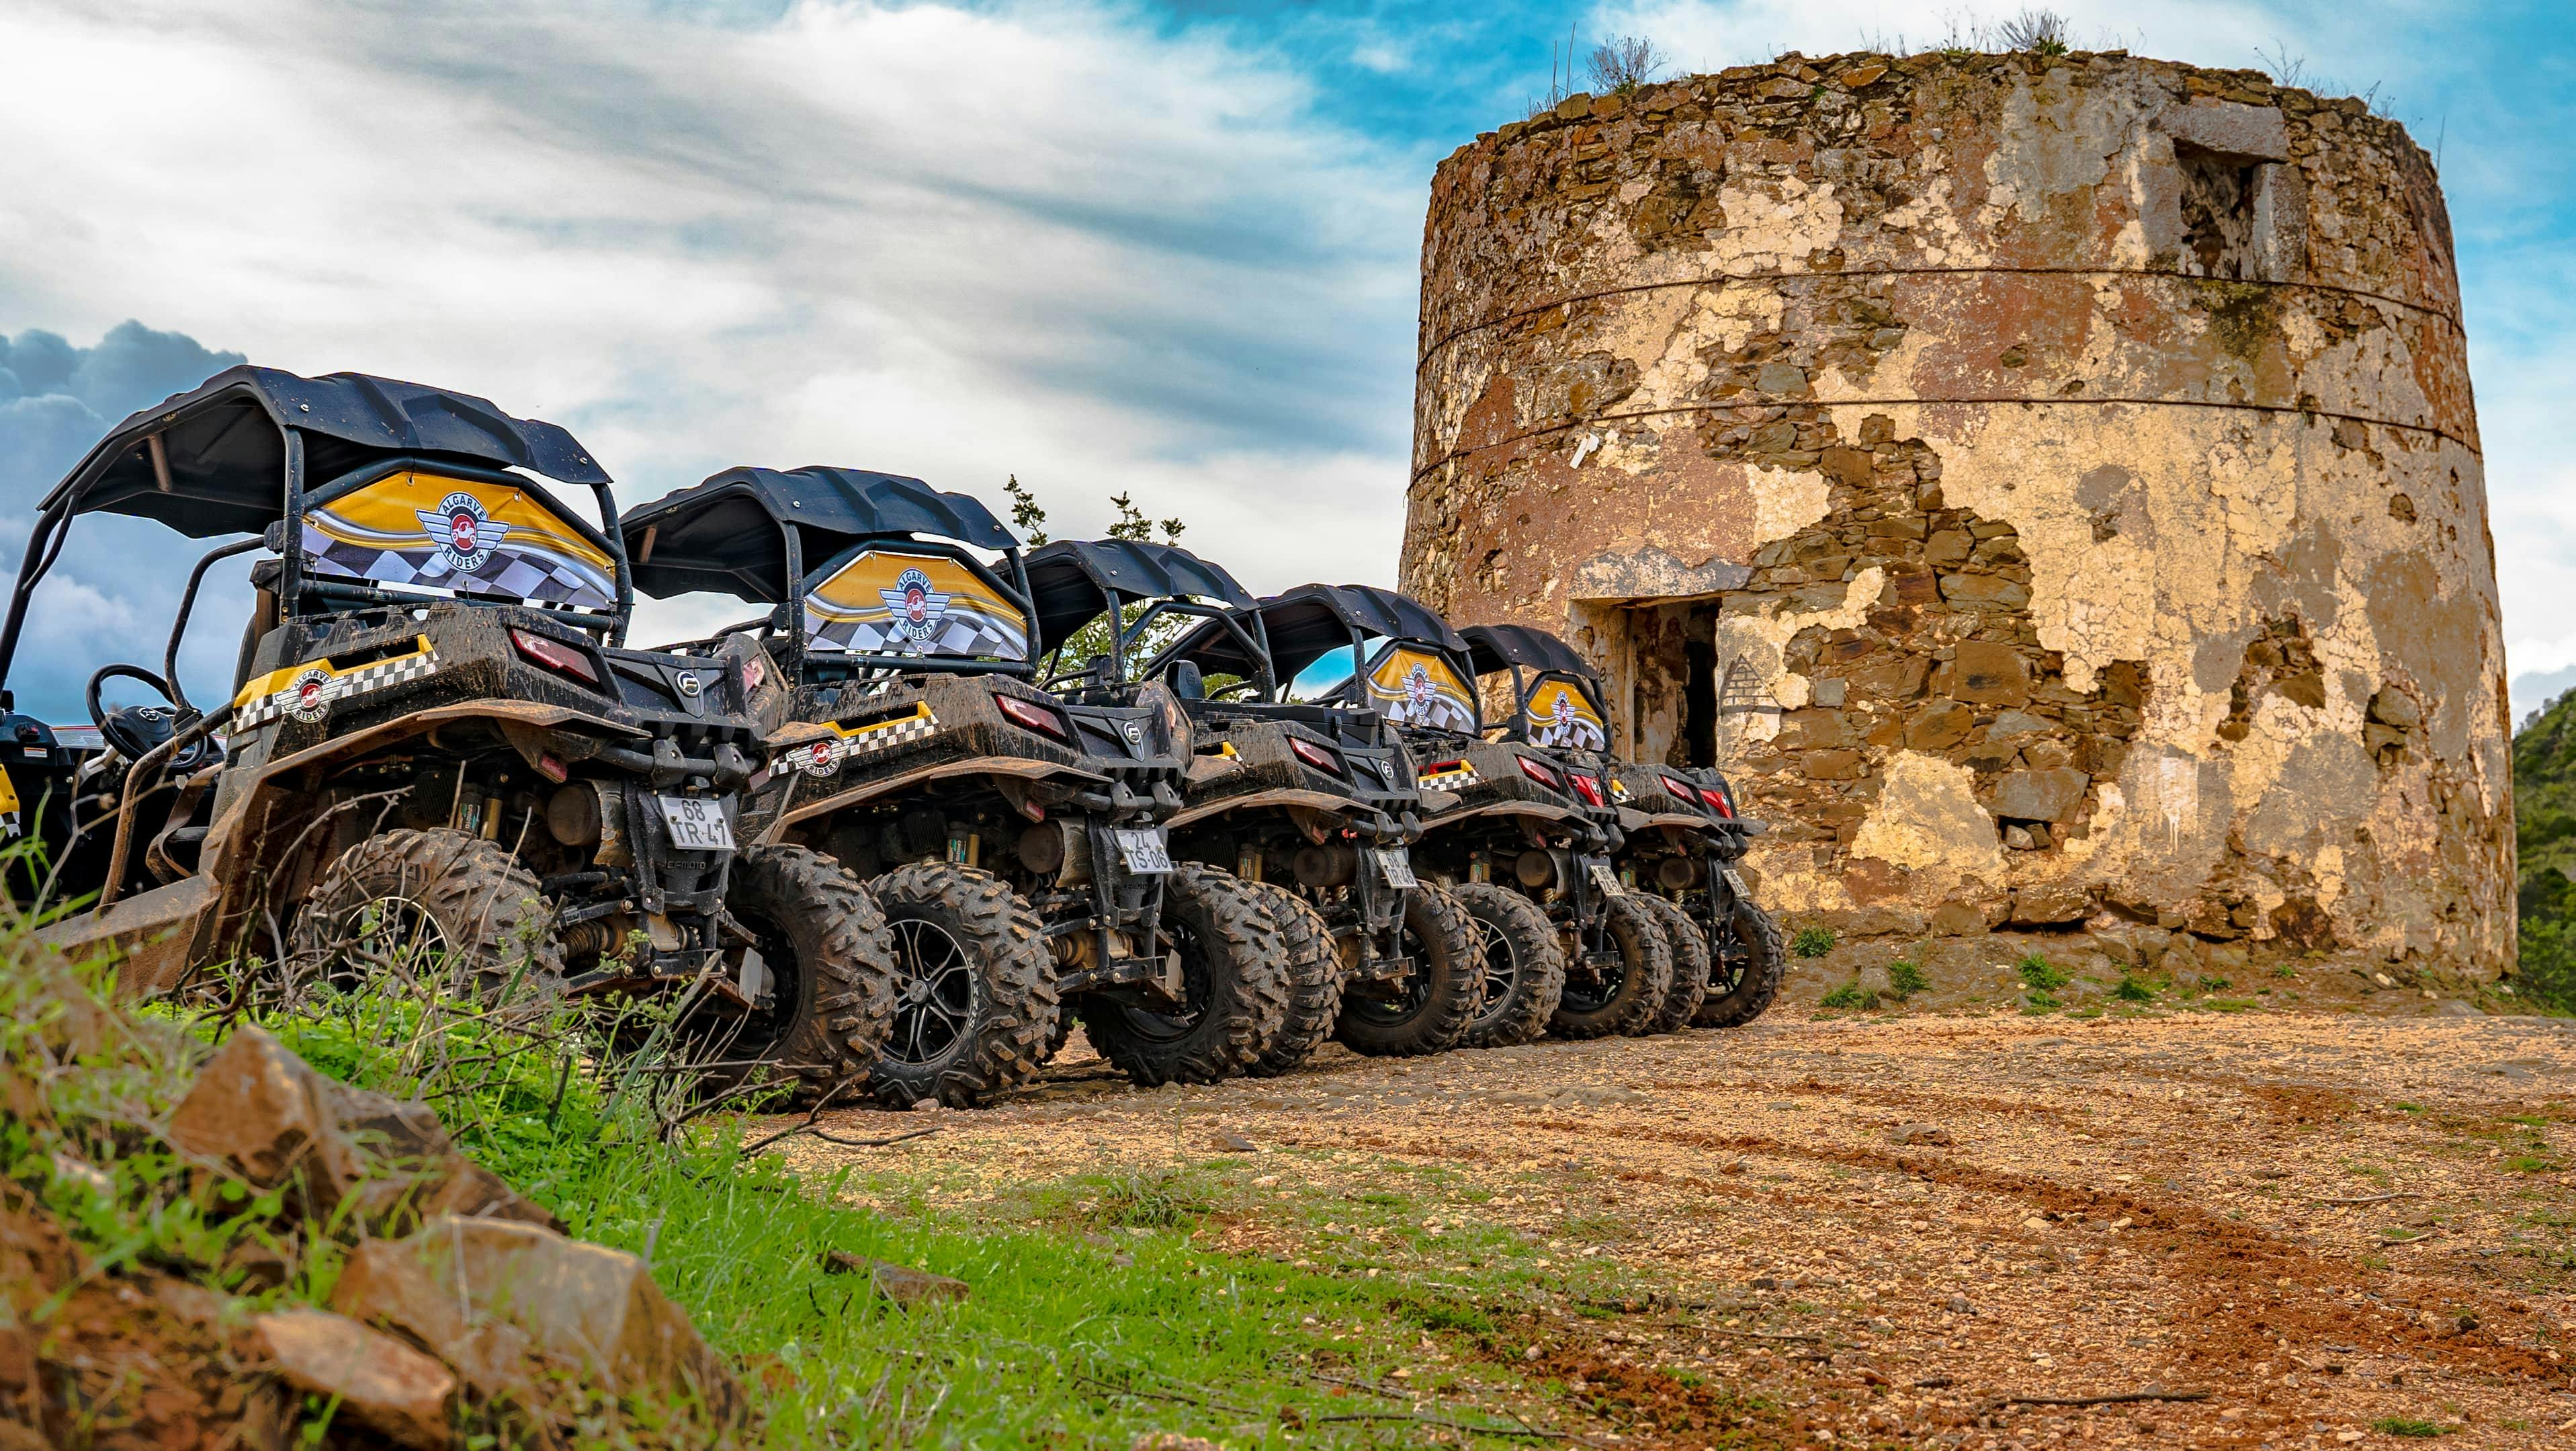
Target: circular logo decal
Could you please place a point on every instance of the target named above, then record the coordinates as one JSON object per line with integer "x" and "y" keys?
{"x": 689, "y": 686}
{"x": 1135, "y": 732}
{"x": 308, "y": 699}
{"x": 470, "y": 533}
{"x": 819, "y": 759}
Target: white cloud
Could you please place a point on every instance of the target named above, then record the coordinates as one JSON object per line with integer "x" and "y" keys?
{"x": 925, "y": 238}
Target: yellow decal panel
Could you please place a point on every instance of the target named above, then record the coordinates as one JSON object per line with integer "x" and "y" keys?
{"x": 890, "y": 603}
{"x": 413, "y": 530}
{"x": 306, "y": 692}
{"x": 1560, "y": 716}
{"x": 1415, "y": 687}
{"x": 825, "y": 757}
{"x": 8, "y": 804}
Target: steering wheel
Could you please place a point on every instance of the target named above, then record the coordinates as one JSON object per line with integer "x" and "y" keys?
{"x": 134, "y": 730}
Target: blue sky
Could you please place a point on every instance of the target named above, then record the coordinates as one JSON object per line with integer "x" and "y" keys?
{"x": 1162, "y": 248}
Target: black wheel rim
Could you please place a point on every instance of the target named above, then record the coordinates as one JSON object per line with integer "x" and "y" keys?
{"x": 1730, "y": 958}
{"x": 1501, "y": 960}
{"x": 1198, "y": 988}
{"x": 1590, "y": 988}
{"x": 938, "y": 995}
{"x": 1410, "y": 996}
{"x": 763, "y": 1029}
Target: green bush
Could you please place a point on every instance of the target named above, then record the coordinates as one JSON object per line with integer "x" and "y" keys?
{"x": 2039, "y": 974}
{"x": 1905, "y": 979}
{"x": 2132, "y": 990}
{"x": 1850, "y": 995}
{"x": 1812, "y": 941}
{"x": 2408, "y": 1426}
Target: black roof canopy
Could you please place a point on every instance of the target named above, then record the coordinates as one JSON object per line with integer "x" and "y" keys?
{"x": 1071, "y": 580}
{"x": 724, "y": 533}
{"x": 1313, "y": 620}
{"x": 1500, "y": 647}
{"x": 223, "y": 445}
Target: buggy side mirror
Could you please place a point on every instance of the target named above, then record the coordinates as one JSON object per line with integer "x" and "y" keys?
{"x": 1187, "y": 682}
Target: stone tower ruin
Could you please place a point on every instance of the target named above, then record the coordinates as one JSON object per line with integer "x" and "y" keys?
{"x": 2049, "y": 485}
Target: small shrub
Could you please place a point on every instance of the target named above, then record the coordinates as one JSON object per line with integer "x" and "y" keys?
{"x": 2041, "y": 32}
{"x": 1620, "y": 66}
{"x": 2041, "y": 1000}
{"x": 2210, "y": 984}
{"x": 1812, "y": 941}
{"x": 1851, "y": 995}
{"x": 1905, "y": 979}
{"x": 2039, "y": 974}
{"x": 2131, "y": 990}
{"x": 2407, "y": 1426}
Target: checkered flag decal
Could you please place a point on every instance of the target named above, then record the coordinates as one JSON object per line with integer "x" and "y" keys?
{"x": 824, "y": 758}
{"x": 310, "y": 692}
{"x": 515, "y": 571}
{"x": 959, "y": 634}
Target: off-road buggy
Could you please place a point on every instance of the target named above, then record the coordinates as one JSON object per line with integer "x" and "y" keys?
{"x": 436, "y": 743}
{"x": 1681, "y": 836}
{"x": 1504, "y": 826}
{"x": 1014, "y": 840}
{"x": 1313, "y": 804}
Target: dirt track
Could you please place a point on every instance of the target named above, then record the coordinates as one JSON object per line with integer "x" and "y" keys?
{"x": 2321, "y": 1221}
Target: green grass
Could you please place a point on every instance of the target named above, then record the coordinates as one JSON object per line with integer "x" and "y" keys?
{"x": 1812, "y": 941}
{"x": 2039, "y": 974}
{"x": 2406, "y": 1426}
{"x": 2133, "y": 990}
{"x": 1849, "y": 995}
{"x": 1905, "y": 979}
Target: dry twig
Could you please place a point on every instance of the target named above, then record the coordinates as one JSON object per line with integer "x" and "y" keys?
{"x": 2117, "y": 1398}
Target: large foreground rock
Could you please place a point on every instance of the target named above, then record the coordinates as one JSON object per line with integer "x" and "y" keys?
{"x": 511, "y": 1305}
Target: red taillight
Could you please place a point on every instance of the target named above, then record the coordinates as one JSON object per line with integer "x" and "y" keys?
{"x": 555, "y": 655}
{"x": 1438, "y": 768}
{"x": 1541, "y": 774}
{"x": 1315, "y": 756}
{"x": 1587, "y": 788}
{"x": 1717, "y": 802}
{"x": 1031, "y": 714}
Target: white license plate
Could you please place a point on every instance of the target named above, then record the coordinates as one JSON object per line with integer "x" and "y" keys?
{"x": 697, "y": 824}
{"x": 1734, "y": 883}
{"x": 1396, "y": 865}
{"x": 1608, "y": 882}
{"x": 1145, "y": 852}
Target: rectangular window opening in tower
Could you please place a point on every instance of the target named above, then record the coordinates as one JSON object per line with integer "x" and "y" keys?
{"x": 2221, "y": 212}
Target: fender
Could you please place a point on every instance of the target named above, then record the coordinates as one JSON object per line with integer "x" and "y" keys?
{"x": 1021, "y": 767}
{"x": 1539, "y": 809}
{"x": 155, "y": 932}
{"x": 1277, "y": 796}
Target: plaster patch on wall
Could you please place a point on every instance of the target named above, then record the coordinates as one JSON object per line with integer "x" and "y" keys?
{"x": 1927, "y": 817}
{"x": 1758, "y": 640}
{"x": 1777, "y": 225}
{"x": 1786, "y": 501}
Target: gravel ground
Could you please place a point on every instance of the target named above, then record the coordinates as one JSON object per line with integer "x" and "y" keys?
{"x": 2319, "y": 1225}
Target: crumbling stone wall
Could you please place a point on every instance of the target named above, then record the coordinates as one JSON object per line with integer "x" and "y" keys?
{"x": 2068, "y": 464}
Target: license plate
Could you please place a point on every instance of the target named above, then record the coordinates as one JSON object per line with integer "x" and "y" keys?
{"x": 1145, "y": 852}
{"x": 697, "y": 823}
{"x": 1603, "y": 878}
{"x": 1396, "y": 865}
{"x": 1734, "y": 883}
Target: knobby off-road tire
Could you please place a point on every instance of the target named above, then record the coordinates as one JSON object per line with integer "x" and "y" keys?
{"x": 974, "y": 987}
{"x": 1746, "y": 964}
{"x": 1524, "y": 967}
{"x": 1314, "y": 980}
{"x": 1438, "y": 1000}
{"x": 1690, "y": 966}
{"x": 433, "y": 901}
{"x": 1234, "y": 972}
{"x": 831, "y": 960}
{"x": 1624, "y": 997}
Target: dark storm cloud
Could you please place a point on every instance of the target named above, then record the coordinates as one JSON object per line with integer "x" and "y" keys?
{"x": 112, "y": 594}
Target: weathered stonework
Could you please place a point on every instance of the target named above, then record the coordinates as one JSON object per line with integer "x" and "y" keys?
{"x": 2050, "y": 485}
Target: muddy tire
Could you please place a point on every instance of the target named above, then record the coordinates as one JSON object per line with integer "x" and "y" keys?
{"x": 1524, "y": 967}
{"x": 1314, "y": 981}
{"x": 1234, "y": 971}
{"x": 1620, "y": 998}
{"x": 1689, "y": 947}
{"x": 1438, "y": 1000}
{"x": 831, "y": 962}
{"x": 429, "y": 901}
{"x": 1746, "y": 964}
{"x": 974, "y": 987}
